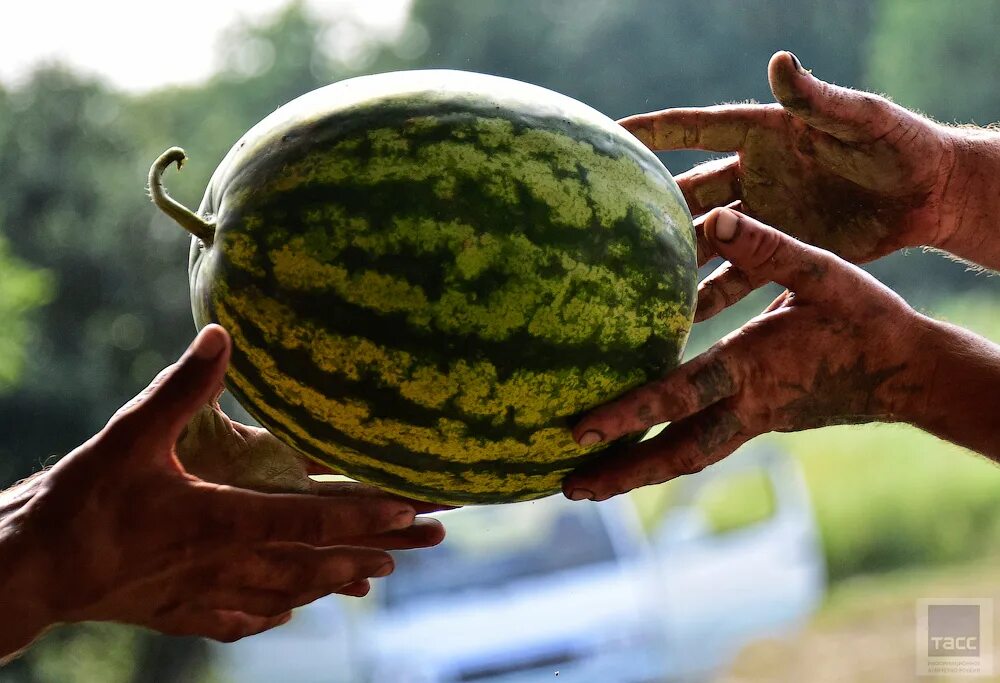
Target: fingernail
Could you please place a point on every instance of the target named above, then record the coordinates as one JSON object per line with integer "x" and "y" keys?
{"x": 726, "y": 224}
{"x": 285, "y": 619}
{"x": 362, "y": 588}
{"x": 403, "y": 518}
{"x": 591, "y": 437}
{"x": 797, "y": 63}
{"x": 357, "y": 589}
{"x": 581, "y": 494}
{"x": 384, "y": 570}
{"x": 208, "y": 344}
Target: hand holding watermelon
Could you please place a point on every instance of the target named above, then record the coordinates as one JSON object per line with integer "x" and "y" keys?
{"x": 118, "y": 530}
{"x": 837, "y": 347}
{"x": 845, "y": 170}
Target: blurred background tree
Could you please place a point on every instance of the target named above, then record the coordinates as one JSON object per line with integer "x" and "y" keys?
{"x": 93, "y": 286}
{"x": 22, "y": 290}
{"x": 930, "y": 57}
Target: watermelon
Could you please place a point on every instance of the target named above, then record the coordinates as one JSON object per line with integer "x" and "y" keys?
{"x": 428, "y": 274}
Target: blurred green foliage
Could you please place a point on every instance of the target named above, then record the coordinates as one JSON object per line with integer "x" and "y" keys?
{"x": 938, "y": 57}
{"x": 93, "y": 286}
{"x": 889, "y": 496}
{"x": 22, "y": 289}
{"x": 737, "y": 501}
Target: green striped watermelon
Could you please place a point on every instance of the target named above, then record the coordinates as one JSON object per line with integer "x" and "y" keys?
{"x": 427, "y": 274}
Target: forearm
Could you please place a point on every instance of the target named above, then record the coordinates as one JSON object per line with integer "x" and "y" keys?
{"x": 20, "y": 604}
{"x": 959, "y": 400}
{"x": 970, "y": 225}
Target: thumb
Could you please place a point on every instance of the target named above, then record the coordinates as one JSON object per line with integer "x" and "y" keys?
{"x": 764, "y": 254}
{"x": 849, "y": 115}
{"x": 162, "y": 409}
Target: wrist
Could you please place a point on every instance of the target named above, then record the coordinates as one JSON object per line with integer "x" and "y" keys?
{"x": 913, "y": 402}
{"x": 905, "y": 397}
{"x": 959, "y": 376}
{"x": 970, "y": 195}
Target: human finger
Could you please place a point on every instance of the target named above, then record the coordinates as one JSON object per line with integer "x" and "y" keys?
{"x": 683, "y": 447}
{"x": 270, "y": 587}
{"x": 702, "y": 381}
{"x": 725, "y": 286}
{"x": 425, "y": 533}
{"x": 850, "y": 115}
{"x": 704, "y": 248}
{"x": 358, "y": 589}
{"x": 160, "y": 413}
{"x": 764, "y": 254}
{"x": 257, "y": 602}
{"x": 778, "y": 302}
{"x": 228, "y": 513}
{"x": 710, "y": 185}
{"x": 294, "y": 567}
{"x": 722, "y": 128}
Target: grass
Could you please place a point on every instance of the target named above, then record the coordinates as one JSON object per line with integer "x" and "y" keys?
{"x": 889, "y": 496}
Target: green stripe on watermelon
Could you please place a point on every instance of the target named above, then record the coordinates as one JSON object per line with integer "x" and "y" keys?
{"x": 519, "y": 351}
{"x": 470, "y": 489}
{"x": 390, "y": 382}
{"x": 358, "y": 416}
{"x": 343, "y": 452}
{"x": 485, "y": 491}
{"x": 401, "y": 189}
{"x": 585, "y": 301}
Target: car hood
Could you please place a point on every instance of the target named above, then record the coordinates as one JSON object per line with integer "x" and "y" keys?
{"x": 563, "y": 612}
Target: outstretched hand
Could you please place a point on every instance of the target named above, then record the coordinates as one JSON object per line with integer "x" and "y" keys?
{"x": 845, "y": 170}
{"x": 118, "y": 530}
{"x": 837, "y": 347}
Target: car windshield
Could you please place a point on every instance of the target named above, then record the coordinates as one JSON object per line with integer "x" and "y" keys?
{"x": 490, "y": 546}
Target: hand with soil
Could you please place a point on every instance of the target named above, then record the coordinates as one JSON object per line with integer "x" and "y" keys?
{"x": 844, "y": 170}
{"x": 837, "y": 347}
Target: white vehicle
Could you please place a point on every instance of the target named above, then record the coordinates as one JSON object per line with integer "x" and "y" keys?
{"x": 553, "y": 590}
{"x": 522, "y": 593}
{"x": 720, "y": 591}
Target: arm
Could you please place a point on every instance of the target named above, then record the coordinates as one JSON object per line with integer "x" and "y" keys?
{"x": 974, "y": 234}
{"x": 118, "y": 530}
{"x": 837, "y": 347}
{"x": 960, "y": 400}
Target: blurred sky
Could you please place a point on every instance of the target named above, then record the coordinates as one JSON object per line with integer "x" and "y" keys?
{"x": 139, "y": 44}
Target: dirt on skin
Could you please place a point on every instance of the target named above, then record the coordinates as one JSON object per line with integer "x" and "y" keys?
{"x": 865, "y": 633}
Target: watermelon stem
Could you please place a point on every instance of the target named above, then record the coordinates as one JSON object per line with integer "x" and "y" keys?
{"x": 183, "y": 216}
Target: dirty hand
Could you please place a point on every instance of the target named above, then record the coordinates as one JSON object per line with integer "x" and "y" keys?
{"x": 845, "y": 170}
{"x": 837, "y": 347}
